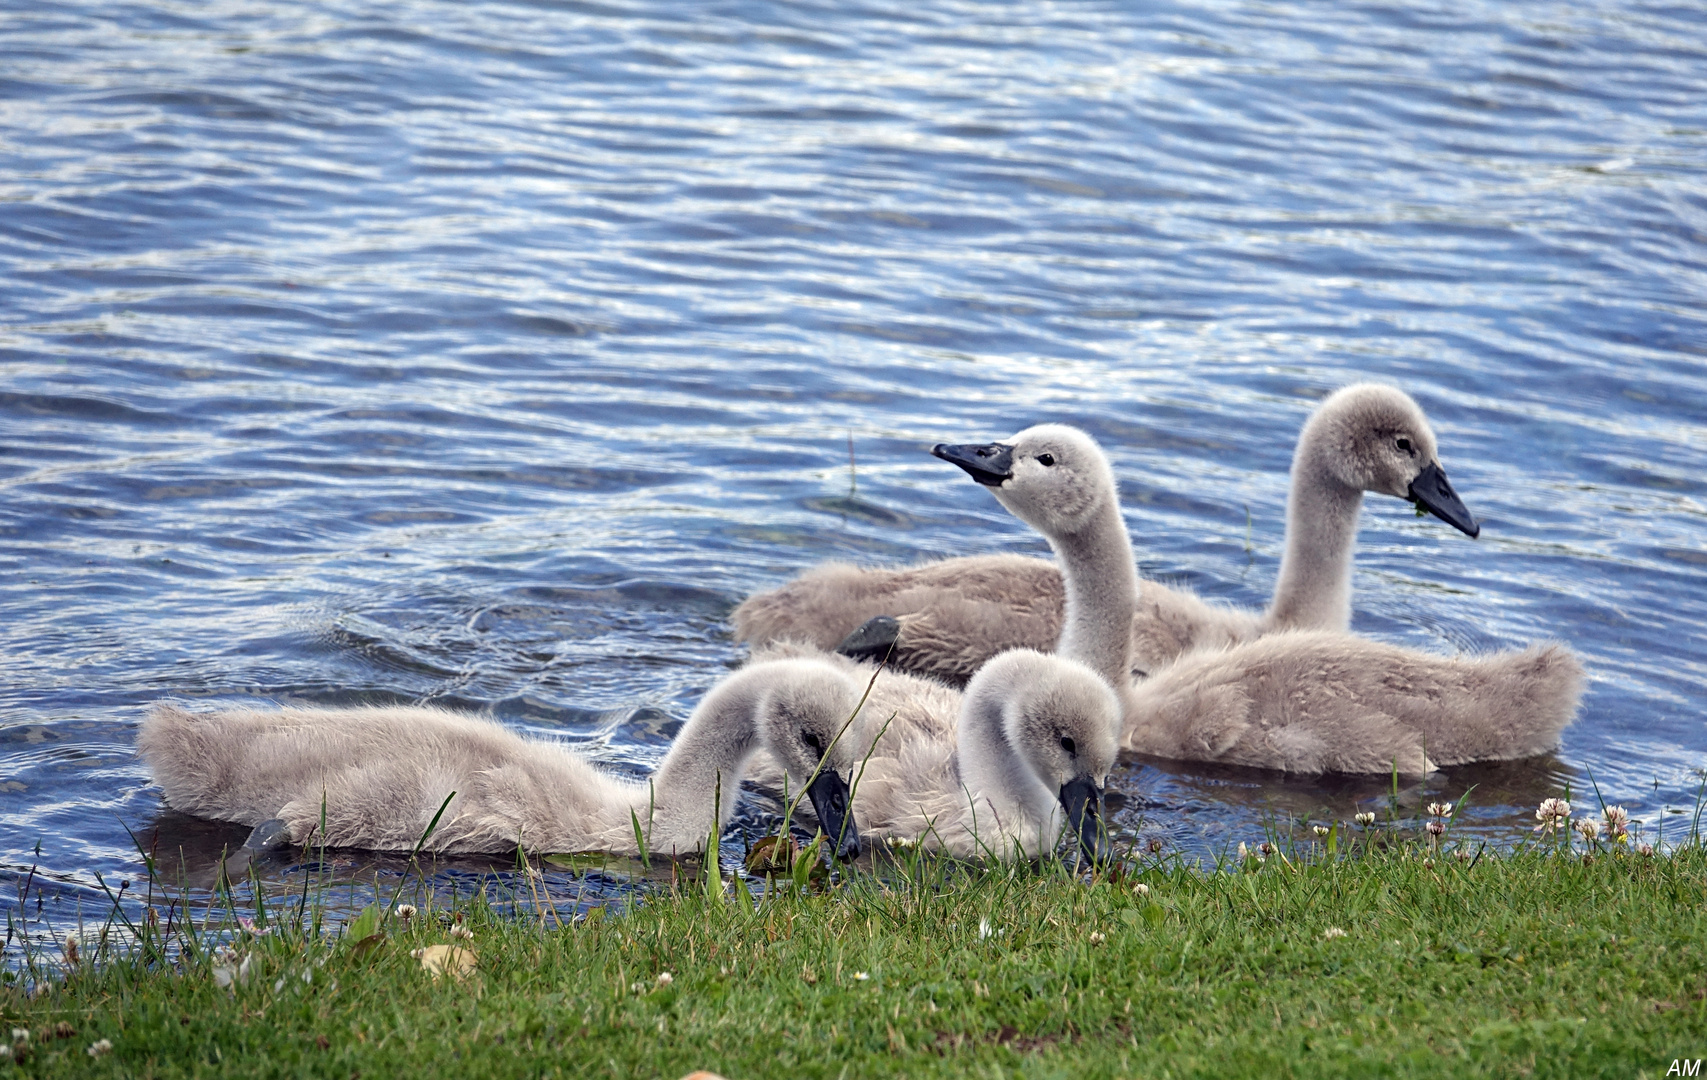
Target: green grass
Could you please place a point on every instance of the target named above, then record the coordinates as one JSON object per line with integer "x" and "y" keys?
{"x": 1528, "y": 964}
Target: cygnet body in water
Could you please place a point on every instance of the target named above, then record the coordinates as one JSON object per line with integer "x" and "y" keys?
{"x": 382, "y": 773}
{"x": 1300, "y": 701}
{"x": 943, "y": 619}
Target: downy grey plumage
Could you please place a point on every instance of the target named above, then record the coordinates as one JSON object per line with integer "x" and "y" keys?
{"x": 1300, "y": 701}
{"x": 956, "y": 613}
{"x": 383, "y": 772}
{"x": 1000, "y": 769}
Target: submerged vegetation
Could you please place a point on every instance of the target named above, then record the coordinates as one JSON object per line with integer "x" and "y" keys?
{"x": 1355, "y": 955}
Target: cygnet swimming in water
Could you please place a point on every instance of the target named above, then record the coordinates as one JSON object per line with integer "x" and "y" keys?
{"x": 945, "y": 618}
{"x": 1300, "y": 701}
{"x": 1022, "y": 754}
{"x": 1034, "y": 745}
{"x": 383, "y": 772}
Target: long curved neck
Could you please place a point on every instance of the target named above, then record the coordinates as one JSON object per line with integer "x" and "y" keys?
{"x": 698, "y": 782}
{"x": 1008, "y": 801}
{"x": 1314, "y": 588}
{"x": 1102, "y": 592}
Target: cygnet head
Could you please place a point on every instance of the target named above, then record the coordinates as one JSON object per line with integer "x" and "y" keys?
{"x": 1370, "y": 437}
{"x": 1060, "y": 721}
{"x": 1053, "y": 477}
{"x": 802, "y": 718}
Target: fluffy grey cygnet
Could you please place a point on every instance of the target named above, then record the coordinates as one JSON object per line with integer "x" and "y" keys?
{"x": 955, "y": 614}
{"x": 1300, "y": 701}
{"x": 1034, "y": 744}
{"x": 1022, "y": 754}
{"x": 384, "y": 772}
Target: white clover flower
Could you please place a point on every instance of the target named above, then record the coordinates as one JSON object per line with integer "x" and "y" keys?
{"x": 1617, "y": 823}
{"x": 860, "y": 976}
{"x": 463, "y": 932}
{"x": 1097, "y": 939}
{"x": 1461, "y": 855}
{"x": 1265, "y": 849}
{"x": 20, "y": 1035}
{"x": 1552, "y": 814}
{"x": 1141, "y": 889}
{"x": 1435, "y": 828}
{"x": 1366, "y": 819}
{"x": 665, "y": 978}
{"x": 1589, "y": 828}
{"x": 5, "y": 1051}
{"x": 1321, "y": 830}
{"x": 1332, "y": 932}
{"x": 1440, "y": 809}
{"x": 229, "y": 969}
{"x": 1645, "y": 849}
{"x": 103, "y": 1046}
{"x": 405, "y": 911}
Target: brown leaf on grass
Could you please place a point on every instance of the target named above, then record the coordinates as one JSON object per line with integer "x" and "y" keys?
{"x": 772, "y": 855}
{"x": 442, "y": 959}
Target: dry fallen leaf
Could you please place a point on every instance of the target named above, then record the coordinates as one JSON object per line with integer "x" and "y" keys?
{"x": 438, "y": 959}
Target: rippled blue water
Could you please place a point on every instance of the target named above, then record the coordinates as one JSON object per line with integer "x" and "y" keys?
{"x": 490, "y": 352}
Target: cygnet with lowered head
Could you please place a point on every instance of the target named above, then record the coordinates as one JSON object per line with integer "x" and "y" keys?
{"x": 382, "y": 773}
{"x": 1300, "y": 701}
{"x": 944, "y": 618}
{"x": 1033, "y": 744}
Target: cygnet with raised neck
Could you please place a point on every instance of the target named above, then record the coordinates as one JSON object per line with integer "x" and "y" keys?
{"x": 382, "y": 773}
{"x": 1299, "y": 701}
{"x": 943, "y": 619}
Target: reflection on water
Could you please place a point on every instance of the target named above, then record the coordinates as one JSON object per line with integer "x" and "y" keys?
{"x": 488, "y": 354}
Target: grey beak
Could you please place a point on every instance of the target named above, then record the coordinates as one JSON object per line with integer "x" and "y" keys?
{"x": 989, "y": 464}
{"x": 1082, "y": 800}
{"x": 1433, "y": 492}
{"x": 829, "y": 795}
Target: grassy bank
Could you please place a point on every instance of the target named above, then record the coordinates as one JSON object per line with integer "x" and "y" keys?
{"x": 1533, "y": 964}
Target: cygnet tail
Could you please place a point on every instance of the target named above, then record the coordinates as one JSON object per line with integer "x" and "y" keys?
{"x": 820, "y": 608}
{"x": 190, "y": 758}
{"x": 1526, "y": 699}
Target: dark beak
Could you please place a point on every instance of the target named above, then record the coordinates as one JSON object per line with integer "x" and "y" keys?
{"x": 1082, "y": 800}
{"x": 1433, "y": 492}
{"x": 829, "y": 795}
{"x": 988, "y": 464}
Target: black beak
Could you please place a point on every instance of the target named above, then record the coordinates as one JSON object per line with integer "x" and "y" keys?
{"x": 1433, "y": 492}
{"x": 988, "y": 464}
{"x": 1082, "y": 800}
{"x": 829, "y": 795}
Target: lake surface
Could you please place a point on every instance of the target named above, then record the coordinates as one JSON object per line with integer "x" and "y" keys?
{"x": 489, "y": 353}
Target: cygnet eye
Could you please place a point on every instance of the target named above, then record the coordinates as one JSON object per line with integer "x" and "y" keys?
{"x": 1046, "y": 460}
{"x": 813, "y": 741}
{"x": 1405, "y": 445}
{"x": 1069, "y": 745}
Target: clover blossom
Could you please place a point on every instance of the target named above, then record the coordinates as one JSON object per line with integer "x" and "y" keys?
{"x": 1552, "y": 814}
